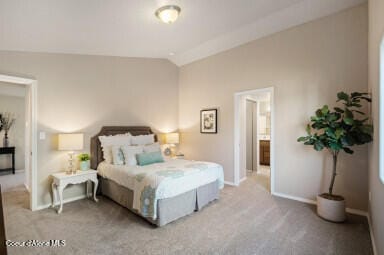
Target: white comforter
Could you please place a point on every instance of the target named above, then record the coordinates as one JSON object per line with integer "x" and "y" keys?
{"x": 161, "y": 180}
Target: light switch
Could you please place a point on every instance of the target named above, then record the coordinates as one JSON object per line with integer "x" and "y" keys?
{"x": 42, "y": 135}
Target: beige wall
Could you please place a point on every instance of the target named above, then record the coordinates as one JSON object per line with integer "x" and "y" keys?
{"x": 83, "y": 93}
{"x": 376, "y": 205}
{"x": 16, "y": 134}
{"x": 307, "y": 66}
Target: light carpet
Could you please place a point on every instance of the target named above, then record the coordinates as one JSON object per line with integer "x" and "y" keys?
{"x": 246, "y": 220}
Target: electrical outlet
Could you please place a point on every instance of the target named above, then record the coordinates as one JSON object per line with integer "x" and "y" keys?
{"x": 370, "y": 196}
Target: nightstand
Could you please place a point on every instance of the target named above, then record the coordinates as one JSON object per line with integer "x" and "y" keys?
{"x": 178, "y": 156}
{"x": 61, "y": 180}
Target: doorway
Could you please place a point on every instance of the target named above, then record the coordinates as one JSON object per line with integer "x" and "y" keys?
{"x": 254, "y": 141}
{"x": 30, "y": 133}
{"x": 13, "y": 108}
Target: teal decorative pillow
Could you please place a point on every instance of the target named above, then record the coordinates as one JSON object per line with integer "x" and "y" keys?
{"x": 149, "y": 158}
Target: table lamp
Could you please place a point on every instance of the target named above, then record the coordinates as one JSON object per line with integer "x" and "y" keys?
{"x": 71, "y": 143}
{"x": 171, "y": 139}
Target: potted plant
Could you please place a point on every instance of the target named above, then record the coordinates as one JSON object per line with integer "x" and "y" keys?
{"x": 338, "y": 130}
{"x": 7, "y": 121}
{"x": 84, "y": 159}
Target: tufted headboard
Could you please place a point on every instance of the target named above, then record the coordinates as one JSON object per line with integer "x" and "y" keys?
{"x": 96, "y": 151}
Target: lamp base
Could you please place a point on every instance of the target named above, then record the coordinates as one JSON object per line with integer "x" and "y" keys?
{"x": 71, "y": 169}
{"x": 167, "y": 151}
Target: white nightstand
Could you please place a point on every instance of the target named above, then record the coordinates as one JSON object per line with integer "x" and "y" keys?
{"x": 61, "y": 180}
{"x": 178, "y": 157}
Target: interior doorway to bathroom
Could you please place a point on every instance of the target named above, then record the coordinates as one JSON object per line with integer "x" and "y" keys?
{"x": 258, "y": 136}
{"x": 253, "y": 137}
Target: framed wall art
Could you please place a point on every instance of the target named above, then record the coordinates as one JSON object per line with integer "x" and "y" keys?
{"x": 208, "y": 121}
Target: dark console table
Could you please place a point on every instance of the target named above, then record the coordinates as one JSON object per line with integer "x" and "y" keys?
{"x": 9, "y": 150}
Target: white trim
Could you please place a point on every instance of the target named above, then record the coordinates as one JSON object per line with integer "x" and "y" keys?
{"x": 300, "y": 199}
{"x": 27, "y": 187}
{"x": 15, "y": 79}
{"x": 68, "y": 200}
{"x": 230, "y": 183}
{"x": 237, "y": 132}
{"x": 313, "y": 202}
{"x": 33, "y": 87}
{"x": 381, "y": 112}
{"x": 357, "y": 212}
{"x": 236, "y": 140}
{"x": 243, "y": 179}
{"x": 372, "y": 236}
{"x": 34, "y": 145}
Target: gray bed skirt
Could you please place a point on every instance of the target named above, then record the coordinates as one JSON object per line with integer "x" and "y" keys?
{"x": 168, "y": 209}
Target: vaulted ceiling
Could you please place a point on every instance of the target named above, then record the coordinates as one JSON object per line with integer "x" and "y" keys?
{"x": 129, "y": 27}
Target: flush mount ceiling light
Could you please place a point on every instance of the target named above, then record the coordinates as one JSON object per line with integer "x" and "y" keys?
{"x": 168, "y": 13}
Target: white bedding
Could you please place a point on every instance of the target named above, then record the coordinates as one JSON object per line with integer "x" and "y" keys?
{"x": 168, "y": 179}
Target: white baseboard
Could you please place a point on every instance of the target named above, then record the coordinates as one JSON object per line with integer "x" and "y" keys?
{"x": 313, "y": 202}
{"x": 304, "y": 200}
{"x": 233, "y": 184}
{"x": 357, "y": 212}
{"x": 68, "y": 200}
{"x": 27, "y": 187}
{"x": 230, "y": 183}
{"x": 372, "y": 236}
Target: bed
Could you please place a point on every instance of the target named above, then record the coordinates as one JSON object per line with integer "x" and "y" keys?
{"x": 183, "y": 186}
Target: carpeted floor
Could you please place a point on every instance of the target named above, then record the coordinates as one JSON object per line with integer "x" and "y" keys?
{"x": 246, "y": 220}
{"x": 262, "y": 177}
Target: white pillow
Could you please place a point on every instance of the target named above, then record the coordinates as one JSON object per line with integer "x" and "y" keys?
{"x": 108, "y": 141}
{"x": 143, "y": 139}
{"x": 117, "y": 155}
{"x": 152, "y": 147}
{"x": 130, "y": 153}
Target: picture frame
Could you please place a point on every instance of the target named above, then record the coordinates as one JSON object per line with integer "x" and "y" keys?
{"x": 208, "y": 121}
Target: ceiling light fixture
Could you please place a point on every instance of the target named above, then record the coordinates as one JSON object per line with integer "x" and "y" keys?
{"x": 168, "y": 13}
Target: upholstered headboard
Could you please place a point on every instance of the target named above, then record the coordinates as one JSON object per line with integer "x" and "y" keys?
{"x": 96, "y": 151}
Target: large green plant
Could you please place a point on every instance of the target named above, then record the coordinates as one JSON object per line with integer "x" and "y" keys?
{"x": 339, "y": 129}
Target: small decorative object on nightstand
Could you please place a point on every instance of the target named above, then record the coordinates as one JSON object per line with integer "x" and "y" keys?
{"x": 84, "y": 159}
{"x": 61, "y": 180}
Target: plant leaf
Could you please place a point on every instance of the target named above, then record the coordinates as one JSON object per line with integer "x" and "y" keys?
{"x": 348, "y": 121}
{"x": 302, "y": 139}
{"x": 348, "y": 150}
{"x": 325, "y": 110}
{"x": 342, "y": 96}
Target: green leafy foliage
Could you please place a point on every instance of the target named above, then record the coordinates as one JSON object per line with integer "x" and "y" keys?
{"x": 84, "y": 157}
{"x": 340, "y": 128}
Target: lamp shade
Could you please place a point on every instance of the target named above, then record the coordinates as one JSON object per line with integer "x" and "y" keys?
{"x": 172, "y": 138}
{"x": 71, "y": 142}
